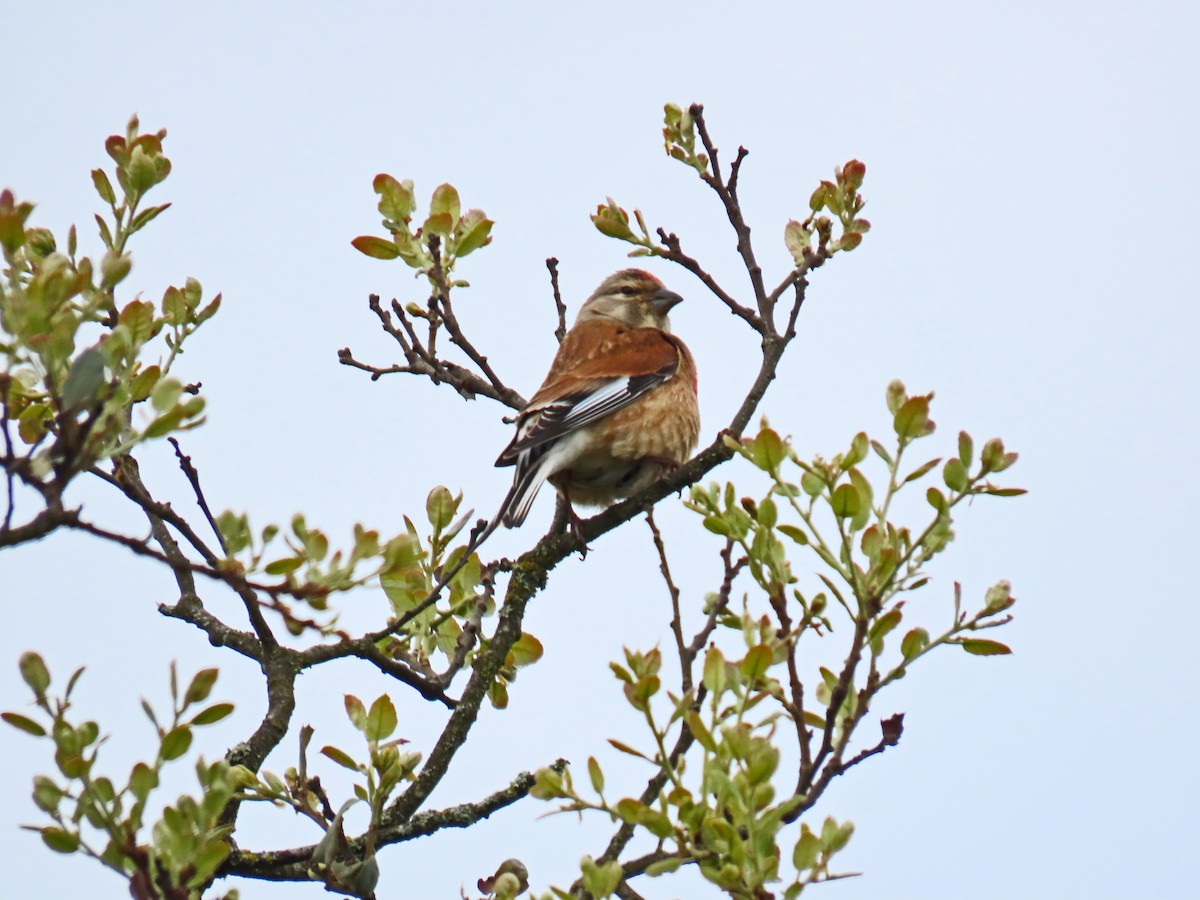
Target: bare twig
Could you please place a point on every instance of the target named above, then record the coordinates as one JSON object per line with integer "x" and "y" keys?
{"x": 561, "y": 308}
{"x": 9, "y": 454}
{"x": 193, "y": 477}
{"x": 674, "y": 253}
{"x": 673, "y": 591}
{"x": 733, "y": 210}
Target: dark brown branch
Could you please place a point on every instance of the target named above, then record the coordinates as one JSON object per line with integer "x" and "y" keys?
{"x": 527, "y": 580}
{"x": 501, "y": 391}
{"x": 39, "y": 526}
{"x": 561, "y": 308}
{"x": 654, "y": 787}
{"x": 674, "y": 253}
{"x": 193, "y": 477}
{"x": 795, "y": 706}
{"x": 422, "y": 360}
{"x": 293, "y": 864}
{"x": 10, "y": 453}
{"x": 672, "y": 590}
{"x": 892, "y": 728}
{"x": 733, "y": 211}
{"x": 723, "y": 597}
{"x": 368, "y": 651}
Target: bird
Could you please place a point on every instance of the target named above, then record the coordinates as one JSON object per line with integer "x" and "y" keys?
{"x": 618, "y": 409}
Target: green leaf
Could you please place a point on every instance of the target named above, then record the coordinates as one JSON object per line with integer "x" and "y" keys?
{"x": 113, "y": 269}
{"x": 176, "y": 742}
{"x": 663, "y": 866}
{"x": 84, "y": 380}
{"x": 612, "y": 221}
{"x": 34, "y": 673}
{"x": 994, "y": 458}
{"x": 714, "y": 670}
{"x": 794, "y": 533}
{"x": 625, "y": 748}
{"x": 214, "y": 713}
{"x": 857, "y": 452}
{"x": 768, "y": 450}
{"x": 396, "y": 201}
{"x": 526, "y": 650}
{"x": 884, "y": 624}
{"x": 921, "y": 470}
{"x": 912, "y": 418}
{"x": 914, "y": 642}
{"x": 1002, "y": 492}
{"x": 955, "y": 474}
{"x": 142, "y": 780}
{"x": 375, "y": 247}
{"x": 812, "y": 484}
{"x": 356, "y": 712}
{"x": 206, "y": 862}
{"x": 966, "y": 448}
{"x": 476, "y": 232}
{"x": 60, "y": 840}
{"x": 807, "y": 850}
{"x": 798, "y": 240}
{"x": 138, "y": 317}
{"x": 981, "y": 647}
{"x": 596, "y": 775}
{"x": 103, "y": 186}
{"x": 46, "y": 794}
{"x": 440, "y": 507}
{"x": 445, "y": 202}
{"x": 998, "y": 596}
{"x": 16, "y": 720}
{"x": 847, "y": 502}
{"x": 341, "y": 757}
{"x": 757, "y": 662}
{"x": 166, "y": 394}
{"x": 381, "y": 719}
{"x": 201, "y": 686}
{"x": 284, "y": 566}
{"x": 700, "y": 731}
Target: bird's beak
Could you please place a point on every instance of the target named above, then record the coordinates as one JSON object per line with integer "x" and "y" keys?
{"x": 664, "y": 301}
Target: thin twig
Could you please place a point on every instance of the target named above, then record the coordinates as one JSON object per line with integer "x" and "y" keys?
{"x": 561, "y": 308}
{"x": 673, "y": 591}
{"x": 674, "y": 253}
{"x": 9, "y": 454}
{"x": 733, "y": 211}
{"x": 193, "y": 477}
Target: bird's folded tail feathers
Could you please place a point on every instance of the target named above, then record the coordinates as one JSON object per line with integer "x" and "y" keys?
{"x": 528, "y": 481}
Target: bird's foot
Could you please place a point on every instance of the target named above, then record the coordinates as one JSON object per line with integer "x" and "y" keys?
{"x": 576, "y": 524}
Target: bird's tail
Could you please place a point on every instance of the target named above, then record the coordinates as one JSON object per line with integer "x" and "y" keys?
{"x": 528, "y": 480}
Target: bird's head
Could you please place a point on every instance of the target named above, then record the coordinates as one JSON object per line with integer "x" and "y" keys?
{"x": 631, "y": 297}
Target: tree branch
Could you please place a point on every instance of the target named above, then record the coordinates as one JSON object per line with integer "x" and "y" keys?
{"x": 293, "y": 864}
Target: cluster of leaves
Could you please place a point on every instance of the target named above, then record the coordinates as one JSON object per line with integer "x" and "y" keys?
{"x": 722, "y": 807}
{"x": 446, "y": 235}
{"x": 334, "y": 859}
{"x": 52, "y": 302}
{"x": 841, "y": 197}
{"x": 187, "y": 844}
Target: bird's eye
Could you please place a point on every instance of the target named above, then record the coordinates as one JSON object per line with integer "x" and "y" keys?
{"x": 628, "y": 290}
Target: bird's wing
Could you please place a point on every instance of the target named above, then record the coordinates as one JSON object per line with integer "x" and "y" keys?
{"x": 628, "y": 364}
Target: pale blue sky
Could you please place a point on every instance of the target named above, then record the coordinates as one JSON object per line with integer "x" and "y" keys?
{"x": 1032, "y": 185}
